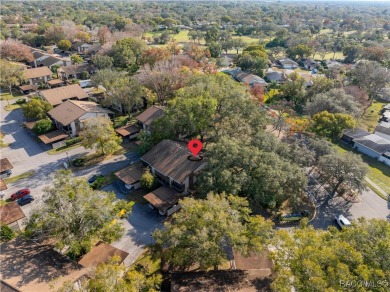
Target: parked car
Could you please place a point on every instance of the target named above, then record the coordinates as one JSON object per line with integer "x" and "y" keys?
{"x": 92, "y": 179}
{"x": 6, "y": 173}
{"x": 20, "y": 194}
{"x": 25, "y": 200}
{"x": 342, "y": 221}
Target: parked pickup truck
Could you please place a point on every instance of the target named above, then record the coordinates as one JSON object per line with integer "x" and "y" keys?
{"x": 294, "y": 216}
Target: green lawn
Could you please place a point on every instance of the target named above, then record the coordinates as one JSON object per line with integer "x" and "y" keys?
{"x": 120, "y": 121}
{"x": 63, "y": 149}
{"x": 328, "y": 56}
{"x": 6, "y": 95}
{"x": 371, "y": 117}
{"x": 19, "y": 177}
{"x": 11, "y": 107}
{"x": 378, "y": 172}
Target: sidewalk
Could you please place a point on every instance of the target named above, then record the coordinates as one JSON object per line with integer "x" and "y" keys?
{"x": 378, "y": 188}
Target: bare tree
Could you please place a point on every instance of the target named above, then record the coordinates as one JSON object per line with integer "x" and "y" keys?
{"x": 164, "y": 78}
{"x": 70, "y": 29}
{"x": 14, "y": 50}
{"x": 370, "y": 76}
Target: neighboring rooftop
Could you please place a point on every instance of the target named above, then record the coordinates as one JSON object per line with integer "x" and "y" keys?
{"x": 3, "y": 186}
{"x": 130, "y": 174}
{"x": 163, "y": 198}
{"x": 10, "y": 213}
{"x": 38, "y": 72}
{"x": 53, "y": 136}
{"x": 101, "y": 253}
{"x": 383, "y": 127}
{"x": 5, "y": 164}
{"x": 127, "y": 130}
{"x": 56, "y": 96}
{"x": 356, "y": 133}
{"x": 375, "y": 143}
{"x": 150, "y": 115}
{"x": 171, "y": 159}
{"x": 49, "y": 61}
{"x": 71, "y": 110}
{"x": 247, "y": 77}
{"x": 287, "y": 61}
{"x": 75, "y": 69}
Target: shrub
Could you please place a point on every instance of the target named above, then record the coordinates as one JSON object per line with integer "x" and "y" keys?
{"x": 73, "y": 141}
{"x": 98, "y": 183}
{"x": 21, "y": 101}
{"x": 148, "y": 180}
{"x": 43, "y": 126}
{"x": 6, "y": 233}
{"x": 79, "y": 162}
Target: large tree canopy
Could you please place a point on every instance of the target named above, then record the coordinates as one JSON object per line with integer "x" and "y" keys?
{"x": 74, "y": 214}
{"x": 204, "y": 229}
{"x": 314, "y": 260}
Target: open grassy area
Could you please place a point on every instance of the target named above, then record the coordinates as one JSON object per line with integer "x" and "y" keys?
{"x": 328, "y": 56}
{"x": 11, "y": 107}
{"x": 6, "y": 95}
{"x": 378, "y": 172}
{"x": 182, "y": 36}
{"x": 371, "y": 117}
{"x": 63, "y": 149}
{"x": 23, "y": 175}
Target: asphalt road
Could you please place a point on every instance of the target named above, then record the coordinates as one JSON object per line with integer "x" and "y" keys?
{"x": 369, "y": 205}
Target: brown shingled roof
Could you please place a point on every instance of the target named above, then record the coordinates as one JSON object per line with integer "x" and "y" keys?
{"x": 130, "y": 174}
{"x": 171, "y": 159}
{"x": 163, "y": 198}
{"x": 5, "y": 164}
{"x": 150, "y": 115}
{"x": 56, "y": 96}
{"x": 76, "y": 69}
{"x": 127, "y": 130}
{"x": 3, "y": 186}
{"x": 10, "y": 213}
{"x": 101, "y": 253}
{"x": 54, "y": 136}
{"x": 37, "y": 72}
{"x": 71, "y": 110}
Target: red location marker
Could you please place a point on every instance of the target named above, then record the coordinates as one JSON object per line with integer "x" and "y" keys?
{"x": 195, "y": 146}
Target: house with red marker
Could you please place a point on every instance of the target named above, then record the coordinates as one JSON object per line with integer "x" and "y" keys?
{"x": 172, "y": 164}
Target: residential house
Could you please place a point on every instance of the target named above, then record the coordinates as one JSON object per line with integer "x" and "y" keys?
{"x": 287, "y": 63}
{"x": 11, "y": 214}
{"x": 5, "y": 167}
{"x": 332, "y": 64}
{"x": 149, "y": 116}
{"x": 78, "y": 71}
{"x": 3, "y": 187}
{"x": 36, "y": 266}
{"x": 131, "y": 176}
{"x": 56, "y": 96}
{"x": 102, "y": 253}
{"x": 36, "y": 76}
{"x": 92, "y": 50}
{"x": 350, "y": 135}
{"x": 80, "y": 47}
{"x": 70, "y": 115}
{"x": 383, "y": 130}
{"x": 128, "y": 131}
{"x": 374, "y": 146}
{"x": 275, "y": 76}
{"x": 164, "y": 199}
{"x": 247, "y": 78}
{"x": 169, "y": 162}
{"x": 310, "y": 64}
{"x": 42, "y": 58}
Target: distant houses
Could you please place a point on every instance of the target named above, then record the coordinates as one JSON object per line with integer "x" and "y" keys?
{"x": 287, "y": 63}
{"x": 247, "y": 78}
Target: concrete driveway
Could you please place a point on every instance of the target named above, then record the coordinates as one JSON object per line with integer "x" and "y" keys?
{"x": 139, "y": 226}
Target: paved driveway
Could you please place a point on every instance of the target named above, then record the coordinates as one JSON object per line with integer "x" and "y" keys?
{"x": 138, "y": 226}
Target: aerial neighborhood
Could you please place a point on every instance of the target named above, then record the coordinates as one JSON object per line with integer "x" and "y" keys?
{"x": 194, "y": 146}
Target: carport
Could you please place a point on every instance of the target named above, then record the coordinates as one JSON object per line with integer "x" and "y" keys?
{"x": 164, "y": 199}
{"x": 52, "y": 137}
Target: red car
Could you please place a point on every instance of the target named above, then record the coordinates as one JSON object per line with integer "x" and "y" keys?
{"x": 20, "y": 194}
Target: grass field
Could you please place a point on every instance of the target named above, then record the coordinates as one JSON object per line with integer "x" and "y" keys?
{"x": 63, "y": 149}
{"x": 371, "y": 117}
{"x": 7, "y": 96}
{"x": 19, "y": 177}
{"x": 378, "y": 172}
